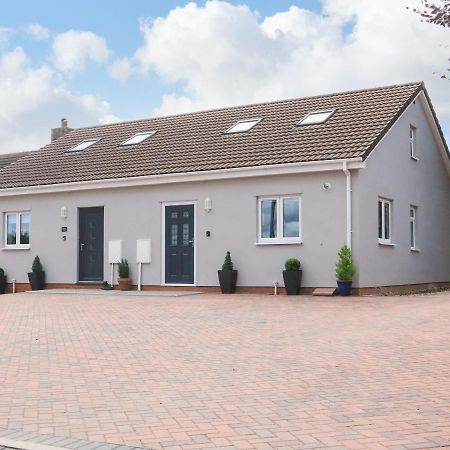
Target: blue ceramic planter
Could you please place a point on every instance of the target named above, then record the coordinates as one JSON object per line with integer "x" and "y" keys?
{"x": 344, "y": 288}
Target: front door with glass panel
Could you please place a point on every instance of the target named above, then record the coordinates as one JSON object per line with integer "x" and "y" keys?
{"x": 179, "y": 244}
{"x": 90, "y": 237}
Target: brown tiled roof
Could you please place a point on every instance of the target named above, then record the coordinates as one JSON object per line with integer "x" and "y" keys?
{"x": 196, "y": 141}
{"x": 8, "y": 158}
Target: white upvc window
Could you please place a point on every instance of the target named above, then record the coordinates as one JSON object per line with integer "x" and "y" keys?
{"x": 413, "y": 142}
{"x": 17, "y": 230}
{"x": 279, "y": 219}
{"x": 413, "y": 227}
{"x": 384, "y": 221}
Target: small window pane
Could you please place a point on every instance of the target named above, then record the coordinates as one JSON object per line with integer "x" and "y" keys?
{"x": 24, "y": 228}
{"x": 380, "y": 220}
{"x": 138, "y": 138}
{"x": 83, "y": 145}
{"x": 291, "y": 217}
{"x": 316, "y": 117}
{"x": 174, "y": 234}
{"x": 387, "y": 231}
{"x": 243, "y": 125}
{"x": 412, "y": 234}
{"x": 185, "y": 234}
{"x": 11, "y": 227}
{"x": 268, "y": 218}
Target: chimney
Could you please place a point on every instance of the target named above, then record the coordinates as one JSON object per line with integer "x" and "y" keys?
{"x": 61, "y": 131}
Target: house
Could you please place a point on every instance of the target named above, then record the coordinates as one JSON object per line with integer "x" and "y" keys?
{"x": 294, "y": 178}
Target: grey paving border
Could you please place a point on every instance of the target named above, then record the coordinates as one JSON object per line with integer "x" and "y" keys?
{"x": 33, "y": 441}
{"x": 116, "y": 292}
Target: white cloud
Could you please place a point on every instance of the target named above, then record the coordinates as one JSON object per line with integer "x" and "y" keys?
{"x": 37, "y": 31}
{"x": 73, "y": 49}
{"x": 32, "y": 101}
{"x": 224, "y": 54}
{"x": 121, "y": 69}
{"x": 4, "y": 35}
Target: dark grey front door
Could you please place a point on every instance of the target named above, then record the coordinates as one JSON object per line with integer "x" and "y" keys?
{"x": 179, "y": 245}
{"x": 90, "y": 244}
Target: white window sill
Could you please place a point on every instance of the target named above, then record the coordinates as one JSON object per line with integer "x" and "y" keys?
{"x": 414, "y": 158}
{"x": 275, "y": 242}
{"x": 416, "y": 250}
{"x": 17, "y": 248}
{"x": 386, "y": 244}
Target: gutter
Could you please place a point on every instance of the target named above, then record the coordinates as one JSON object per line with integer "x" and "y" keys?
{"x": 348, "y": 192}
{"x": 189, "y": 177}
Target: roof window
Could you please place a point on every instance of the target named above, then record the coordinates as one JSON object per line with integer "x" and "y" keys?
{"x": 83, "y": 145}
{"x": 243, "y": 125}
{"x": 138, "y": 138}
{"x": 316, "y": 117}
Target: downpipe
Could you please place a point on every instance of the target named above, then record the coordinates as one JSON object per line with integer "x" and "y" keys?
{"x": 348, "y": 176}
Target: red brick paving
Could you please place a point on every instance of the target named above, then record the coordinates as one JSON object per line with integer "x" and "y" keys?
{"x": 230, "y": 372}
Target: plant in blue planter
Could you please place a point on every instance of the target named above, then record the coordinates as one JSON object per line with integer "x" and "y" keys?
{"x": 345, "y": 270}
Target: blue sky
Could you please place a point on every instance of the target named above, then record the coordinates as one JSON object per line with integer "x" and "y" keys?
{"x": 106, "y": 60}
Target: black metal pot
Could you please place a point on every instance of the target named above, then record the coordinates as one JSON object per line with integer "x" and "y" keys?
{"x": 37, "y": 280}
{"x": 227, "y": 280}
{"x": 2, "y": 284}
{"x": 292, "y": 281}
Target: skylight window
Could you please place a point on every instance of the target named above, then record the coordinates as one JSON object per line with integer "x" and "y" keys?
{"x": 316, "y": 117}
{"x": 243, "y": 125}
{"x": 138, "y": 138}
{"x": 83, "y": 145}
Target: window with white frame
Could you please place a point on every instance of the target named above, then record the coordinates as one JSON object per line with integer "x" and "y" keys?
{"x": 279, "y": 219}
{"x": 17, "y": 230}
{"x": 413, "y": 226}
{"x": 384, "y": 221}
{"x": 413, "y": 142}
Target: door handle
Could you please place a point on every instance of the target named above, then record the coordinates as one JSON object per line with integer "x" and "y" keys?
{"x": 191, "y": 242}
{"x": 81, "y": 246}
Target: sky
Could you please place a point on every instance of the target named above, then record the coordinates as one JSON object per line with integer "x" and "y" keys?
{"x": 101, "y": 61}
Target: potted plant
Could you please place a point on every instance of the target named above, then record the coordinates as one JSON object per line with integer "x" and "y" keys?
{"x": 124, "y": 275}
{"x": 37, "y": 275}
{"x": 292, "y": 276}
{"x": 345, "y": 269}
{"x": 2, "y": 281}
{"x": 227, "y": 276}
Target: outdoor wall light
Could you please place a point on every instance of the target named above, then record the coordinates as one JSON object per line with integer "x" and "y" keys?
{"x": 64, "y": 212}
{"x": 208, "y": 204}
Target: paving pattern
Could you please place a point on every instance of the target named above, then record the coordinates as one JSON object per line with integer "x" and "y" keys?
{"x": 229, "y": 372}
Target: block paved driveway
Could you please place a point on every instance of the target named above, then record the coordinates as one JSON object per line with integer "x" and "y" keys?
{"x": 241, "y": 371}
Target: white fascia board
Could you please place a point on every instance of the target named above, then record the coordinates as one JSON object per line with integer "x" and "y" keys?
{"x": 392, "y": 126}
{"x": 209, "y": 175}
{"x": 421, "y": 97}
{"x": 434, "y": 129}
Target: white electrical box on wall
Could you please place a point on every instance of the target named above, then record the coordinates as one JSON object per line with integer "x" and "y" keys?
{"x": 114, "y": 252}
{"x": 144, "y": 251}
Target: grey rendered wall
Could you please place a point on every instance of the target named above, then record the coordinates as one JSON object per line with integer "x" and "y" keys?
{"x": 392, "y": 174}
{"x": 135, "y": 213}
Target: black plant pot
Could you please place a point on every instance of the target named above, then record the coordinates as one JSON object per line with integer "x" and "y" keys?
{"x": 227, "y": 280}
{"x": 37, "y": 280}
{"x": 2, "y": 284}
{"x": 292, "y": 281}
{"x": 344, "y": 288}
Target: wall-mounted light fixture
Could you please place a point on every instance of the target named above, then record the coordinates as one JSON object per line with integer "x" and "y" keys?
{"x": 208, "y": 204}
{"x": 63, "y": 212}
